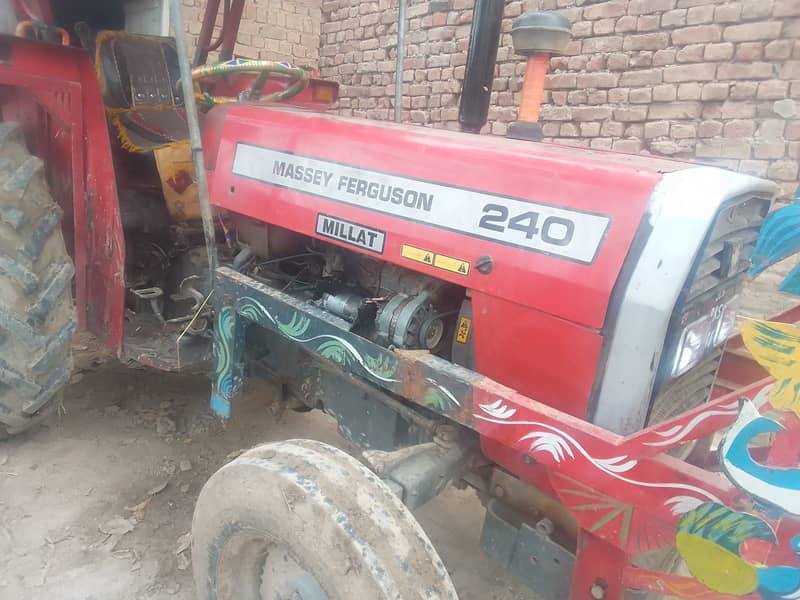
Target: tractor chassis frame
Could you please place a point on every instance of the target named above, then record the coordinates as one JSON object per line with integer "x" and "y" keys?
{"x": 620, "y": 490}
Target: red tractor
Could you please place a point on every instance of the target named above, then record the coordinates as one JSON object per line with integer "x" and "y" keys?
{"x": 541, "y": 323}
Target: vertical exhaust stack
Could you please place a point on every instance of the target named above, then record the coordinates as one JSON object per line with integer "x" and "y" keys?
{"x": 537, "y": 36}
{"x": 484, "y": 38}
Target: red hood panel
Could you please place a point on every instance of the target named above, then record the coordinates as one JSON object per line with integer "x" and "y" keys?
{"x": 555, "y": 223}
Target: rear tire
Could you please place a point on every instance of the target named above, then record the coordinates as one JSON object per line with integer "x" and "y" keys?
{"x": 301, "y": 519}
{"x": 37, "y": 317}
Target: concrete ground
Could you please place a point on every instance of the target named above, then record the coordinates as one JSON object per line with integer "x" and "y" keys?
{"x": 94, "y": 504}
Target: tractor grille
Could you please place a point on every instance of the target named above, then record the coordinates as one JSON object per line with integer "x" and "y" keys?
{"x": 687, "y": 391}
{"x": 731, "y": 243}
{"x": 719, "y": 276}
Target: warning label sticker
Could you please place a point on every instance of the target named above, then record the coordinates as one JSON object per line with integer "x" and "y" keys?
{"x": 464, "y": 326}
{"x": 440, "y": 261}
{"x": 417, "y": 254}
{"x": 451, "y": 264}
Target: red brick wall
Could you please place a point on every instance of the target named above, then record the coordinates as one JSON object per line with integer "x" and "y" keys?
{"x": 283, "y": 30}
{"x": 713, "y": 81}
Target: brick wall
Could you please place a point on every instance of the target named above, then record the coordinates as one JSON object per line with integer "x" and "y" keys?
{"x": 714, "y": 81}
{"x": 283, "y": 30}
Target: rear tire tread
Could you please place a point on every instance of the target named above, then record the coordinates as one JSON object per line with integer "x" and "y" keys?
{"x": 37, "y": 318}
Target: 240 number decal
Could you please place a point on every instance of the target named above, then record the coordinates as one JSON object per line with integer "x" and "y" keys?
{"x": 557, "y": 231}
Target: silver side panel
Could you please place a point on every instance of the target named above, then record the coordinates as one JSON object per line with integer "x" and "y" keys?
{"x": 682, "y": 208}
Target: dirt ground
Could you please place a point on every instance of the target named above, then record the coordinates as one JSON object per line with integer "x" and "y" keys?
{"x": 130, "y": 452}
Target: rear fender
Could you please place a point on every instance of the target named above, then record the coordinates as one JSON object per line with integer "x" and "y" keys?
{"x": 52, "y": 91}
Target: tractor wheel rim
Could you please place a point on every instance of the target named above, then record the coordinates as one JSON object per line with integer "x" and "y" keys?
{"x": 254, "y": 567}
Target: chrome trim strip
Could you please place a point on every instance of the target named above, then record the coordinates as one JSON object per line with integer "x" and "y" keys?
{"x": 682, "y": 208}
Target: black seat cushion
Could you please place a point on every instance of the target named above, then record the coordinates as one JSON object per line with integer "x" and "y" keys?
{"x": 140, "y": 82}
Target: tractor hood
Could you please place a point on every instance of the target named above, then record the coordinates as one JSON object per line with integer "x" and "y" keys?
{"x": 587, "y": 258}
{"x": 556, "y": 222}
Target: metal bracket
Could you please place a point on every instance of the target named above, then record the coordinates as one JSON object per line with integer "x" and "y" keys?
{"x": 156, "y": 297}
{"x": 528, "y": 552}
{"x": 419, "y": 473}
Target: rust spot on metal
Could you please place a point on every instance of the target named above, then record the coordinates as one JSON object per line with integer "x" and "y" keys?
{"x": 412, "y": 376}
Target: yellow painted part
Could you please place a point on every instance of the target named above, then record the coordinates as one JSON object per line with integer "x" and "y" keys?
{"x": 716, "y": 567}
{"x": 176, "y": 171}
{"x": 776, "y": 347}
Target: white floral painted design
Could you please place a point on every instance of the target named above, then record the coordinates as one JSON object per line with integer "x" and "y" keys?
{"x": 562, "y": 446}
{"x": 498, "y": 410}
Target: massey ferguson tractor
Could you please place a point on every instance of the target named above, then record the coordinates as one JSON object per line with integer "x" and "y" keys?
{"x": 542, "y": 324}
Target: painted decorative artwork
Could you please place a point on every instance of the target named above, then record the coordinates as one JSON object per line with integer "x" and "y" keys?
{"x": 776, "y": 347}
{"x": 710, "y": 537}
{"x": 358, "y": 355}
{"x": 776, "y": 487}
{"x": 779, "y": 239}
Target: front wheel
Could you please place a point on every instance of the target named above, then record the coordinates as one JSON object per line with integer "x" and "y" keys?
{"x": 302, "y": 520}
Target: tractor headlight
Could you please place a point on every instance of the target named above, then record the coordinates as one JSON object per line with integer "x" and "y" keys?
{"x": 727, "y": 324}
{"x": 699, "y": 337}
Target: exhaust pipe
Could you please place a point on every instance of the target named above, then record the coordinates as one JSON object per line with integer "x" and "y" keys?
{"x": 484, "y": 38}
{"x": 538, "y": 36}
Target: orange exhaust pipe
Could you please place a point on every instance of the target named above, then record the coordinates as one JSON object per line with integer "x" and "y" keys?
{"x": 537, "y": 36}
{"x": 533, "y": 87}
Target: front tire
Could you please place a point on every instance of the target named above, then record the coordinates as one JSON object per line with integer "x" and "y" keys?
{"x": 301, "y": 519}
{"x": 37, "y": 317}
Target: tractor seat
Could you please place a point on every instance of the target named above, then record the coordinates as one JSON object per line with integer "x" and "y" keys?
{"x": 140, "y": 82}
